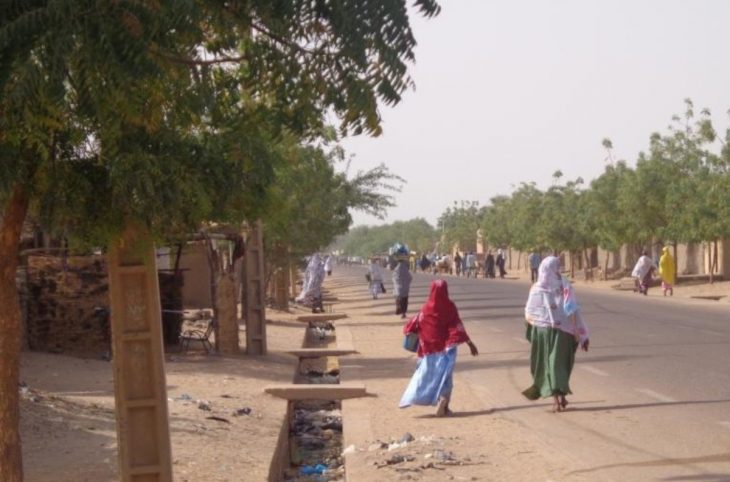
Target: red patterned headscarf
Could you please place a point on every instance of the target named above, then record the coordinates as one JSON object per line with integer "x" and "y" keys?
{"x": 438, "y": 323}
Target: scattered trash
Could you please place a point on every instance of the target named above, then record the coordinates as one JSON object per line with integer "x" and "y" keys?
{"x": 227, "y": 396}
{"x": 377, "y": 446}
{"x": 242, "y": 411}
{"x": 218, "y": 419}
{"x": 351, "y": 449}
{"x": 443, "y": 455}
{"x": 204, "y": 405}
{"x": 396, "y": 446}
{"x": 316, "y": 441}
{"x": 184, "y": 397}
{"x": 318, "y": 469}
{"x": 397, "y": 459}
{"x": 324, "y": 379}
{"x": 407, "y": 437}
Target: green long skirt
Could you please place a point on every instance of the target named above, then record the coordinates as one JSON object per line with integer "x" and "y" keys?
{"x": 551, "y": 362}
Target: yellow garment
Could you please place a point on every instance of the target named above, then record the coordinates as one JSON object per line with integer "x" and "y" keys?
{"x": 666, "y": 266}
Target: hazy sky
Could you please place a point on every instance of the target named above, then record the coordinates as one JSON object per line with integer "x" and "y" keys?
{"x": 510, "y": 91}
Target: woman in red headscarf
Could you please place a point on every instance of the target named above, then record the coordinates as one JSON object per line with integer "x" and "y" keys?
{"x": 439, "y": 330}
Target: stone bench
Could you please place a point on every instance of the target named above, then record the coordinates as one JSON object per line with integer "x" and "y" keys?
{"x": 316, "y": 392}
{"x": 321, "y": 317}
{"x": 320, "y": 352}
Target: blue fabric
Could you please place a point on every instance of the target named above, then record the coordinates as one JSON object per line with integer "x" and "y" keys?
{"x": 432, "y": 380}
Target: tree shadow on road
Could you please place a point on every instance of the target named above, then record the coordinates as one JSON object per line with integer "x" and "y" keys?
{"x": 464, "y": 414}
{"x": 672, "y": 461}
{"x": 604, "y": 408}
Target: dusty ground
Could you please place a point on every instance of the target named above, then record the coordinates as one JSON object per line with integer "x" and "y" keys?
{"x": 68, "y": 426}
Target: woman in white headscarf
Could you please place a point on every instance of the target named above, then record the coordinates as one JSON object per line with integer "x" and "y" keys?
{"x": 375, "y": 273}
{"x": 643, "y": 273}
{"x": 312, "y": 288}
{"x": 555, "y": 329}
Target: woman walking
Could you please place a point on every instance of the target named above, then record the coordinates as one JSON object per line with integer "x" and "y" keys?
{"x": 439, "y": 330}
{"x": 401, "y": 286}
{"x": 667, "y": 271}
{"x": 555, "y": 329}
{"x": 501, "y": 259}
{"x": 376, "y": 278}
{"x": 311, "y": 293}
{"x": 643, "y": 273}
{"x": 489, "y": 265}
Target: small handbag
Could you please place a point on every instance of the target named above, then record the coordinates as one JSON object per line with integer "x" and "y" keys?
{"x": 410, "y": 342}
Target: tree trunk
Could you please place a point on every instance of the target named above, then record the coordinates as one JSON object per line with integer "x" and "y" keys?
{"x": 572, "y": 265}
{"x": 676, "y": 263}
{"x": 11, "y": 463}
{"x": 713, "y": 263}
{"x": 605, "y": 268}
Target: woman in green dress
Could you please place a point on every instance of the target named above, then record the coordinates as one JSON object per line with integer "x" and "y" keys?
{"x": 555, "y": 329}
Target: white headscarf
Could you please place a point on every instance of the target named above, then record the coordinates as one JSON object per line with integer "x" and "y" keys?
{"x": 311, "y": 277}
{"x": 642, "y": 267}
{"x": 552, "y": 301}
{"x": 548, "y": 274}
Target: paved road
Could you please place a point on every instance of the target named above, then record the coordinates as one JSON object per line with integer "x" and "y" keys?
{"x": 651, "y": 399}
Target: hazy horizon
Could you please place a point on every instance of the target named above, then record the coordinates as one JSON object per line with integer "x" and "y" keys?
{"x": 510, "y": 92}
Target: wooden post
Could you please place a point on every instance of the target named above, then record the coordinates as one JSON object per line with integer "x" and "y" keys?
{"x": 227, "y": 310}
{"x": 255, "y": 291}
{"x": 281, "y": 285}
{"x": 143, "y": 434}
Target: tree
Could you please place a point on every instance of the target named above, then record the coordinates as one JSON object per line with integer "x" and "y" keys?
{"x": 459, "y": 225}
{"x": 527, "y": 202}
{"x": 309, "y": 202}
{"x": 496, "y": 221}
{"x": 364, "y": 241}
{"x": 604, "y": 208}
{"x": 167, "y": 114}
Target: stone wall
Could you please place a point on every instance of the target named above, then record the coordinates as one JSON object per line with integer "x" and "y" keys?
{"x": 61, "y": 298}
{"x": 65, "y": 301}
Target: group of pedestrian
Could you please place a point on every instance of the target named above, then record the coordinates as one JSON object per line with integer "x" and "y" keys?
{"x": 554, "y": 324}
{"x": 490, "y": 262}
{"x": 554, "y": 327}
{"x": 645, "y": 268}
{"x": 465, "y": 265}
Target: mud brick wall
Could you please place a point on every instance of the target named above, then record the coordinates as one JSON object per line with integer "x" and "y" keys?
{"x": 61, "y": 296}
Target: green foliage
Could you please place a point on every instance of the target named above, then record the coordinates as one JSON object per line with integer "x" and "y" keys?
{"x": 459, "y": 225}
{"x": 497, "y": 221}
{"x": 171, "y": 114}
{"x": 309, "y": 202}
{"x": 677, "y": 192}
{"x": 364, "y": 241}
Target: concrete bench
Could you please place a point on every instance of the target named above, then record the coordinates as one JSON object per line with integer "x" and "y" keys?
{"x": 316, "y": 392}
{"x": 321, "y": 317}
{"x": 319, "y": 352}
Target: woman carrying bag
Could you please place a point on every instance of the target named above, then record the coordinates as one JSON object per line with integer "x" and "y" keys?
{"x": 439, "y": 330}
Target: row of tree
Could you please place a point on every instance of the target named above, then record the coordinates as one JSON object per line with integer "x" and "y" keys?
{"x": 168, "y": 115}
{"x": 676, "y": 193}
